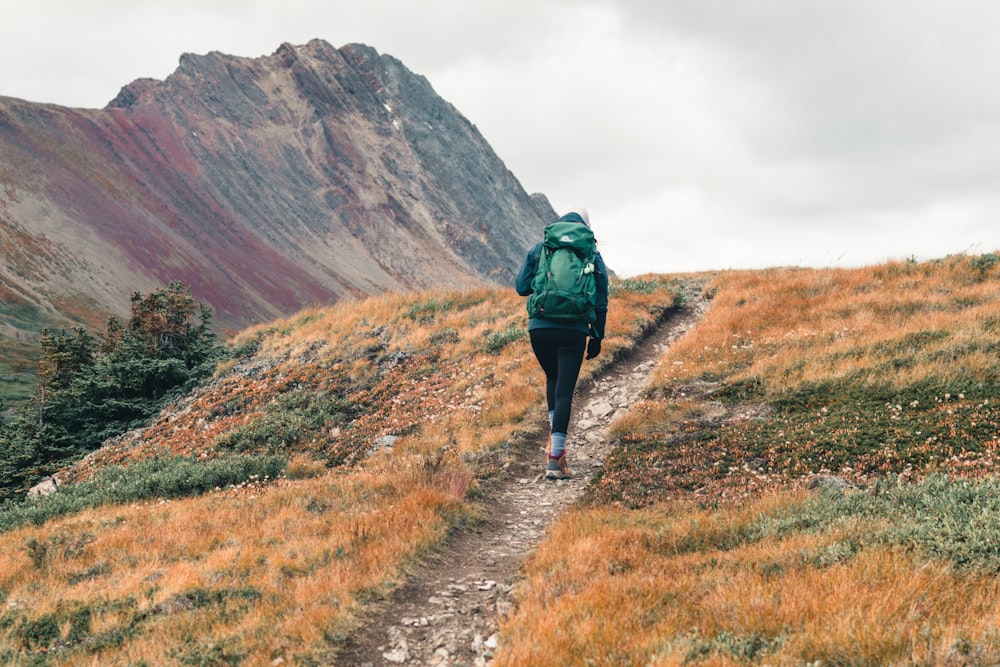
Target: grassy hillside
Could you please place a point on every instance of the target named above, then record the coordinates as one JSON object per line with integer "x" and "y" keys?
{"x": 256, "y": 516}
{"x": 810, "y": 479}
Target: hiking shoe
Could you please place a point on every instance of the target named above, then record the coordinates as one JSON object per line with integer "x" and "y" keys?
{"x": 557, "y": 468}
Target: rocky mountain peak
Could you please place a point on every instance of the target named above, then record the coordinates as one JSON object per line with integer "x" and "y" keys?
{"x": 267, "y": 184}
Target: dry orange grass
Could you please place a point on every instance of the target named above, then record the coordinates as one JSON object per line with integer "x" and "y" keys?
{"x": 280, "y": 570}
{"x": 679, "y": 585}
{"x": 785, "y": 327}
{"x": 676, "y": 583}
{"x": 257, "y": 573}
{"x": 779, "y": 330}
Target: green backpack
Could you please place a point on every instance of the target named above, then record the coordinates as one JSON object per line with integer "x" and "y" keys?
{"x": 564, "y": 288}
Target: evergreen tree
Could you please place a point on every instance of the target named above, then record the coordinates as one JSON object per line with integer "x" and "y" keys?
{"x": 89, "y": 391}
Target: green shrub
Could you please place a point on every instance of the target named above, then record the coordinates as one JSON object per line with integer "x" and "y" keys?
{"x": 957, "y": 520}
{"x": 289, "y": 419}
{"x": 743, "y": 648}
{"x": 954, "y": 520}
{"x": 495, "y": 341}
{"x": 425, "y": 311}
{"x": 165, "y": 477}
{"x": 983, "y": 263}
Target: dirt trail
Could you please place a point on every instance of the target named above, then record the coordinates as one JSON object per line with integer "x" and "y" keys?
{"x": 448, "y": 611}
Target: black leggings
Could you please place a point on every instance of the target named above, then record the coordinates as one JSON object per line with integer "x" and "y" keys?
{"x": 560, "y": 354}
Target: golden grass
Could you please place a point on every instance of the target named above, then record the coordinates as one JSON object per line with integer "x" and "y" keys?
{"x": 796, "y": 326}
{"x": 262, "y": 568}
{"x": 677, "y": 585}
{"x": 678, "y": 581}
{"x": 282, "y": 570}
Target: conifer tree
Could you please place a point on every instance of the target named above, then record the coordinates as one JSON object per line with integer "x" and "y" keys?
{"x": 90, "y": 390}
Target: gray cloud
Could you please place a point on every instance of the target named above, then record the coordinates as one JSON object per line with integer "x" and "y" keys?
{"x": 699, "y": 133}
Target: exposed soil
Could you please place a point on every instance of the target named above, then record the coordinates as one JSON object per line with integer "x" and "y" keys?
{"x": 449, "y": 610}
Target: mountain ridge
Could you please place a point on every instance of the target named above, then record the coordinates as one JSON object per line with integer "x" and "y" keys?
{"x": 268, "y": 184}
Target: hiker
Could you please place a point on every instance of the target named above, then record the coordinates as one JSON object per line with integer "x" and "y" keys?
{"x": 559, "y": 330}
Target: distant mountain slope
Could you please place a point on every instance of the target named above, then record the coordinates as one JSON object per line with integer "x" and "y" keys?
{"x": 266, "y": 184}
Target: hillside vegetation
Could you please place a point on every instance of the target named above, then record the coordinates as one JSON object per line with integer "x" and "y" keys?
{"x": 810, "y": 479}
{"x": 254, "y": 517}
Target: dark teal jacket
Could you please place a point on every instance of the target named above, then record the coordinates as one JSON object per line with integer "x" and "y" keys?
{"x": 522, "y": 283}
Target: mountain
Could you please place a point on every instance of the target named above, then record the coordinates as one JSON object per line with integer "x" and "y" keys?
{"x": 267, "y": 185}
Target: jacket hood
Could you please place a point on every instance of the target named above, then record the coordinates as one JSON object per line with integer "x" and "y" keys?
{"x": 573, "y": 216}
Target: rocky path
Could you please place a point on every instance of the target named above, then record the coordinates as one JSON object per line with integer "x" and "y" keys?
{"x": 448, "y": 612}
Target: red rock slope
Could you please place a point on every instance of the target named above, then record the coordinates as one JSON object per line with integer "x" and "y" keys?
{"x": 266, "y": 184}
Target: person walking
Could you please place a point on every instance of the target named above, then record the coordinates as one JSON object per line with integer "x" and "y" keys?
{"x": 560, "y": 337}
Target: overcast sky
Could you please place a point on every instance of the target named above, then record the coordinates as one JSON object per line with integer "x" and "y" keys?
{"x": 700, "y": 134}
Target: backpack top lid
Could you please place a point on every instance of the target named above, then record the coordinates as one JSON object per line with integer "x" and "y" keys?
{"x": 567, "y": 234}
